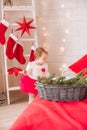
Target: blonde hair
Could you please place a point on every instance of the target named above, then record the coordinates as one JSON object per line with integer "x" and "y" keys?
{"x": 39, "y": 51}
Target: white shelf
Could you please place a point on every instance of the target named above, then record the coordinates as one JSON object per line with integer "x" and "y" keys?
{"x": 17, "y": 8}
{"x": 14, "y": 88}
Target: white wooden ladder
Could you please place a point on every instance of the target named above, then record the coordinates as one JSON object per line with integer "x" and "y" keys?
{"x": 17, "y": 8}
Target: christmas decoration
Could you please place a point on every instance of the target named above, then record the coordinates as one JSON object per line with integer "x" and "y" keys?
{"x": 33, "y": 48}
{"x": 62, "y": 89}
{"x": 66, "y": 72}
{"x": 53, "y": 80}
{"x": 14, "y": 50}
{"x": 43, "y": 70}
{"x": 8, "y": 2}
{"x": 10, "y": 46}
{"x": 14, "y": 70}
{"x": 3, "y": 27}
{"x": 25, "y": 26}
{"x": 46, "y": 80}
{"x": 18, "y": 54}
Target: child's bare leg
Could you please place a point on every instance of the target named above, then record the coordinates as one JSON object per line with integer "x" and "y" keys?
{"x": 31, "y": 97}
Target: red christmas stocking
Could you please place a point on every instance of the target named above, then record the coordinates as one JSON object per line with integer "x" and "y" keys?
{"x": 3, "y": 27}
{"x": 18, "y": 54}
{"x": 11, "y": 70}
{"x": 14, "y": 71}
{"x": 33, "y": 48}
{"x": 10, "y": 45}
{"x": 17, "y": 71}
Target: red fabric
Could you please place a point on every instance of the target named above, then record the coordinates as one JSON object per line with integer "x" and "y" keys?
{"x": 79, "y": 65}
{"x": 28, "y": 85}
{"x": 50, "y": 115}
{"x": 14, "y": 71}
{"x": 18, "y": 54}
{"x": 9, "y": 48}
{"x": 3, "y": 29}
{"x": 31, "y": 56}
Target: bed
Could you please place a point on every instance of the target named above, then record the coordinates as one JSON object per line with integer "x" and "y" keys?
{"x": 50, "y": 115}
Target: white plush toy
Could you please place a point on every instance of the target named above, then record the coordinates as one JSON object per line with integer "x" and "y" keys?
{"x": 67, "y": 73}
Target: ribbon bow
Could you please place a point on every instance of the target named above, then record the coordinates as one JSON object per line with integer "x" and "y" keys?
{"x": 43, "y": 70}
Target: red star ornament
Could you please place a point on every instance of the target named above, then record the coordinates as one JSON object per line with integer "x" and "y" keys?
{"x": 25, "y": 26}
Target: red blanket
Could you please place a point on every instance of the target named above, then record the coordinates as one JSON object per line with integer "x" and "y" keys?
{"x": 50, "y": 115}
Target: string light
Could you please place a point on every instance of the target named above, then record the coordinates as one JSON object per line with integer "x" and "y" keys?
{"x": 63, "y": 40}
{"x": 67, "y": 31}
{"x": 62, "y": 6}
{"x": 62, "y": 49}
{"x": 45, "y": 46}
{"x": 45, "y": 34}
{"x": 43, "y": 28}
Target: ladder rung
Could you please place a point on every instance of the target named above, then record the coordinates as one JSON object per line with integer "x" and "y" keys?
{"x": 30, "y": 39}
{"x": 26, "y": 55}
{"x": 9, "y": 8}
{"x": 14, "y": 88}
{"x": 14, "y": 24}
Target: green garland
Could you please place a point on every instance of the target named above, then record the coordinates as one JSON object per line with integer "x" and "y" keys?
{"x": 53, "y": 80}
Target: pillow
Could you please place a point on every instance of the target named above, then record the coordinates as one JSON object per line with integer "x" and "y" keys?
{"x": 79, "y": 65}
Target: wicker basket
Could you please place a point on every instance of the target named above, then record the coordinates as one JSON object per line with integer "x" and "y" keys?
{"x": 61, "y": 92}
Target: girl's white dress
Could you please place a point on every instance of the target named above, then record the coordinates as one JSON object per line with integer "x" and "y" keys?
{"x": 27, "y": 82}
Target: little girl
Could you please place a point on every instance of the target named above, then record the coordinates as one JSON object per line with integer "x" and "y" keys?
{"x": 34, "y": 69}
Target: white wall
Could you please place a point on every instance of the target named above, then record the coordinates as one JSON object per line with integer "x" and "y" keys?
{"x": 66, "y": 28}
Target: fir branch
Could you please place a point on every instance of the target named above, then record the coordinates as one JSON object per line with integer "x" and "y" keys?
{"x": 78, "y": 80}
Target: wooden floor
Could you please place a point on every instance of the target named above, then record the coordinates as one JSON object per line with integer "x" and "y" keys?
{"x": 9, "y": 113}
